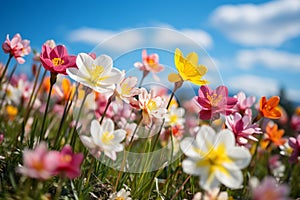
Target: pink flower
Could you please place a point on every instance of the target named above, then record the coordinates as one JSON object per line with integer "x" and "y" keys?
{"x": 56, "y": 59}
{"x": 150, "y": 63}
{"x": 69, "y": 162}
{"x": 1, "y": 137}
{"x": 214, "y": 102}
{"x": 295, "y": 145}
{"x": 269, "y": 189}
{"x": 17, "y": 47}
{"x": 244, "y": 103}
{"x": 295, "y": 122}
{"x": 152, "y": 106}
{"x": 39, "y": 163}
{"x": 242, "y": 128}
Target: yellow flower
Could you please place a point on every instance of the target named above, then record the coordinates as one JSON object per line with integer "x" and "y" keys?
{"x": 11, "y": 112}
{"x": 188, "y": 69}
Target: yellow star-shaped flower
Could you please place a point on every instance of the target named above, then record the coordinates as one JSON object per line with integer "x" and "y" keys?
{"x": 188, "y": 69}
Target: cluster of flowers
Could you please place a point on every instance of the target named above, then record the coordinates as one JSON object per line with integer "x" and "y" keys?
{"x": 239, "y": 129}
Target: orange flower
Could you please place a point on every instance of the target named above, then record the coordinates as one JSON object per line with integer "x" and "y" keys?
{"x": 273, "y": 135}
{"x": 67, "y": 88}
{"x": 269, "y": 108}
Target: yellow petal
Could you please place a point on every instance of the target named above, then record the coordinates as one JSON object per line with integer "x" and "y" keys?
{"x": 192, "y": 58}
{"x": 201, "y": 70}
{"x": 174, "y": 77}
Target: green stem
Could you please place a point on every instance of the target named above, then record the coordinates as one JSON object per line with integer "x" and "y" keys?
{"x": 73, "y": 139}
{"x": 52, "y": 82}
{"x": 5, "y": 68}
{"x": 59, "y": 188}
{"x": 106, "y": 108}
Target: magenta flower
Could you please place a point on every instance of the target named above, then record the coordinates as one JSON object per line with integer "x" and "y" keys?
{"x": 17, "y": 47}
{"x": 244, "y": 103}
{"x": 214, "y": 102}
{"x": 39, "y": 163}
{"x": 268, "y": 188}
{"x": 295, "y": 145}
{"x": 242, "y": 128}
{"x": 56, "y": 59}
{"x": 69, "y": 162}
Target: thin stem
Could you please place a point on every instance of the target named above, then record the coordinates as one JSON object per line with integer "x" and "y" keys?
{"x": 52, "y": 82}
{"x": 145, "y": 73}
{"x": 9, "y": 78}
{"x": 181, "y": 187}
{"x": 77, "y": 119}
{"x": 106, "y": 108}
{"x": 5, "y": 68}
{"x": 59, "y": 188}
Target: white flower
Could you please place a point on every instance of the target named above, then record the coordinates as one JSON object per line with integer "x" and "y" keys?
{"x": 152, "y": 106}
{"x": 175, "y": 116}
{"x": 215, "y": 158}
{"x": 97, "y": 74}
{"x": 104, "y": 138}
{"x": 214, "y": 194}
{"x": 121, "y": 195}
{"x": 126, "y": 89}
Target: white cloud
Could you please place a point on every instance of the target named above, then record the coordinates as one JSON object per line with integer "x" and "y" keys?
{"x": 163, "y": 36}
{"x": 293, "y": 95}
{"x": 254, "y": 85}
{"x": 269, "y": 58}
{"x": 177, "y": 37}
{"x": 109, "y": 39}
{"x": 268, "y": 24}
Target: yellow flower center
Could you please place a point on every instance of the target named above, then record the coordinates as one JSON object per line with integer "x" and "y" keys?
{"x": 119, "y": 198}
{"x": 96, "y": 74}
{"x": 37, "y": 165}
{"x": 107, "y": 137}
{"x": 67, "y": 158}
{"x": 173, "y": 119}
{"x": 57, "y": 61}
{"x": 214, "y": 99}
{"x": 152, "y": 105}
{"x": 125, "y": 89}
{"x": 214, "y": 158}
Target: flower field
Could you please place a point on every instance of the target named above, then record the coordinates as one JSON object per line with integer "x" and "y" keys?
{"x": 77, "y": 127}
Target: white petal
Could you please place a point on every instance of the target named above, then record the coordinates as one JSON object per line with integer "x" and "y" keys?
{"x": 208, "y": 181}
{"x": 189, "y": 167}
{"x": 77, "y": 75}
{"x": 84, "y": 63}
{"x": 205, "y": 138}
{"x": 233, "y": 179}
{"x": 87, "y": 141}
{"x": 108, "y": 126}
{"x": 96, "y": 131}
{"x": 112, "y": 77}
{"x": 111, "y": 154}
{"x": 240, "y": 156}
{"x": 105, "y": 61}
{"x": 118, "y": 147}
{"x": 119, "y": 135}
{"x": 187, "y": 146}
{"x": 225, "y": 137}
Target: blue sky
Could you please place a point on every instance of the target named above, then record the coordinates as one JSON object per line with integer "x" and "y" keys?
{"x": 254, "y": 44}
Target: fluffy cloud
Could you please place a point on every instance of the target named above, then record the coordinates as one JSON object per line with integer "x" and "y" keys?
{"x": 177, "y": 37}
{"x": 254, "y": 85}
{"x": 129, "y": 39}
{"x": 268, "y": 24}
{"x": 268, "y": 58}
{"x": 109, "y": 39}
